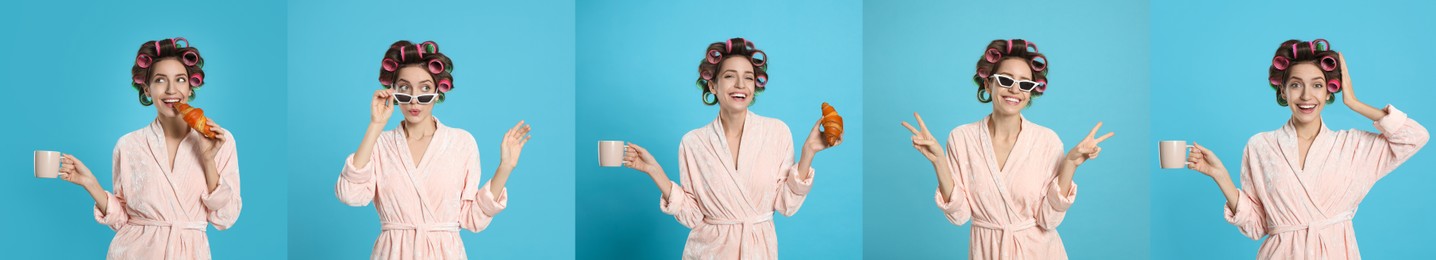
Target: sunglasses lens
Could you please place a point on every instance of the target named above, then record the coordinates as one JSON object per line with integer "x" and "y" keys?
{"x": 1027, "y": 85}
{"x": 1005, "y": 82}
{"x": 402, "y": 98}
{"x": 425, "y": 99}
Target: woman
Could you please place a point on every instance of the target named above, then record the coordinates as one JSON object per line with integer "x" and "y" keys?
{"x": 737, "y": 170}
{"x": 170, "y": 182}
{"x": 424, "y": 175}
{"x": 1005, "y": 173}
{"x": 1304, "y": 181}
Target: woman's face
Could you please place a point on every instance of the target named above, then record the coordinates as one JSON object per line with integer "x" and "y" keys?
{"x": 735, "y": 86}
{"x": 415, "y": 81}
{"x": 168, "y": 84}
{"x": 1010, "y": 101}
{"x": 1305, "y": 92}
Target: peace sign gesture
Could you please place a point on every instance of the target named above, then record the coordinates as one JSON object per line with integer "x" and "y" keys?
{"x": 1088, "y": 149}
{"x": 924, "y": 142}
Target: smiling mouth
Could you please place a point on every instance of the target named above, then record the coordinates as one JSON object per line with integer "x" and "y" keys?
{"x": 1011, "y": 100}
{"x": 170, "y": 102}
{"x": 739, "y": 97}
{"x": 1306, "y": 109}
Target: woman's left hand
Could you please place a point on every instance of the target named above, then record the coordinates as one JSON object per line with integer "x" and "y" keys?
{"x": 513, "y": 145}
{"x": 814, "y": 143}
{"x": 1087, "y": 149}
{"x": 209, "y": 147}
{"x": 1347, "y": 95}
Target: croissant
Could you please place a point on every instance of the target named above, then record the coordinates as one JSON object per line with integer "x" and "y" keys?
{"x": 832, "y": 125}
{"x": 195, "y": 118}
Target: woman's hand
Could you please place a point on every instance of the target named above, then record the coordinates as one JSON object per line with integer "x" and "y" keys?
{"x": 1348, "y": 96}
{"x": 1205, "y": 162}
{"x": 811, "y": 147}
{"x": 381, "y": 107}
{"x": 814, "y": 143}
{"x": 924, "y": 142}
{"x": 513, "y": 145}
{"x": 74, "y": 171}
{"x": 209, "y": 147}
{"x": 1087, "y": 149}
{"x": 637, "y": 158}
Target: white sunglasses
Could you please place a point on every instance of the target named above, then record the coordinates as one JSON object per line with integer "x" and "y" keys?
{"x": 1007, "y": 82}
{"x": 424, "y": 99}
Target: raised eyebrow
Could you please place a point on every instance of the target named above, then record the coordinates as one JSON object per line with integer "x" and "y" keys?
{"x": 401, "y": 80}
{"x": 422, "y": 81}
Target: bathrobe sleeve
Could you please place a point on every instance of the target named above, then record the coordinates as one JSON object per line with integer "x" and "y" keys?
{"x": 680, "y": 201}
{"x": 1250, "y": 216}
{"x": 479, "y": 203}
{"x": 1400, "y": 138}
{"x": 956, "y": 207}
{"x": 222, "y": 206}
{"x": 356, "y": 186}
{"x": 114, "y": 214}
{"x": 1055, "y": 203}
{"x": 792, "y": 188}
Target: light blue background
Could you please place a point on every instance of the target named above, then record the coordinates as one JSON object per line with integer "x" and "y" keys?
{"x": 1210, "y": 75}
{"x": 69, "y": 65}
{"x": 513, "y": 60}
{"x": 920, "y": 57}
{"x": 636, "y": 71}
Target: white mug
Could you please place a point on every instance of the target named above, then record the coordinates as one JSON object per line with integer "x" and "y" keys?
{"x": 610, "y": 153}
{"x": 47, "y": 164}
{"x": 1173, "y": 153}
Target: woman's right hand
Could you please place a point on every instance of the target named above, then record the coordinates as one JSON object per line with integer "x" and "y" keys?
{"x": 381, "y": 108}
{"x": 924, "y": 142}
{"x": 637, "y": 158}
{"x": 1205, "y": 162}
{"x": 74, "y": 171}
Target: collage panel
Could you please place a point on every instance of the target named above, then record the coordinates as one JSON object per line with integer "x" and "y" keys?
{"x": 106, "y": 107}
{"x": 737, "y": 193}
{"x": 1232, "y": 110}
{"x": 1005, "y": 146}
{"x": 490, "y": 73}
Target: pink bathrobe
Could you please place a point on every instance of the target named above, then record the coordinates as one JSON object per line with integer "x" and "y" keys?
{"x": 730, "y": 211}
{"x": 1307, "y": 213}
{"x": 1014, "y": 211}
{"x": 422, "y": 206}
{"x": 162, "y": 213}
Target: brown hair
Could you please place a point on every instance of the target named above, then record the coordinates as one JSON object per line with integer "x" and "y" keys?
{"x": 999, "y": 50}
{"x": 720, "y": 51}
{"x": 153, "y": 51}
{"x": 425, "y": 54}
{"x": 1292, "y": 52}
